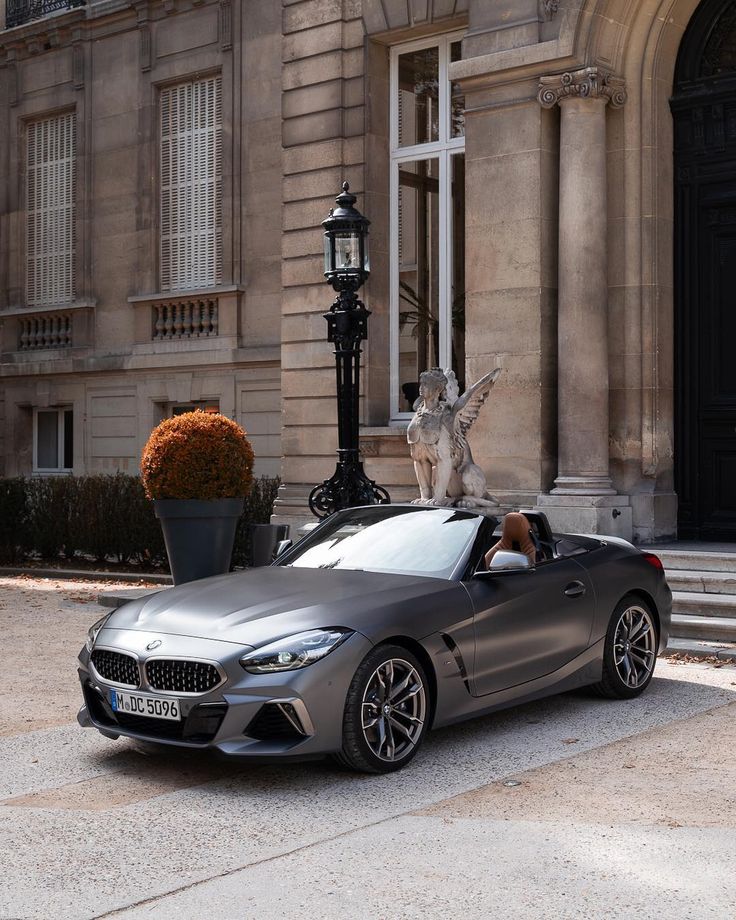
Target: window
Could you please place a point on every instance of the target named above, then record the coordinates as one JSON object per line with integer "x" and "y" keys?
{"x": 427, "y": 217}
{"x": 211, "y": 408}
{"x": 164, "y": 410}
{"x": 50, "y": 203}
{"x": 53, "y": 440}
{"x": 191, "y": 185}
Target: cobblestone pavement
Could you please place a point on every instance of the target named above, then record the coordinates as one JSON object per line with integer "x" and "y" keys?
{"x": 569, "y": 807}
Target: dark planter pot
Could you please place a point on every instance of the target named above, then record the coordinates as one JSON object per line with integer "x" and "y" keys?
{"x": 263, "y": 541}
{"x": 199, "y": 535}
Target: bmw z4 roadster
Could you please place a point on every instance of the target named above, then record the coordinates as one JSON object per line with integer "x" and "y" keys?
{"x": 385, "y": 621}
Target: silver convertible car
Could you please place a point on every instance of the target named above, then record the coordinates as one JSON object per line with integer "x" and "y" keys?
{"x": 380, "y": 624}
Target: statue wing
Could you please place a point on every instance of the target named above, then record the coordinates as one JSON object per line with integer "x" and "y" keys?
{"x": 467, "y": 408}
{"x": 452, "y": 390}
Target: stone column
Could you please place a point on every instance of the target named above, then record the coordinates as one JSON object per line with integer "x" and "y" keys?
{"x": 583, "y": 495}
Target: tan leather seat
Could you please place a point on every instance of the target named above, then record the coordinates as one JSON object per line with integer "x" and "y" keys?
{"x": 514, "y": 536}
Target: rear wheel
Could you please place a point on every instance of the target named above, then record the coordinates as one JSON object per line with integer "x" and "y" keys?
{"x": 385, "y": 712}
{"x": 630, "y": 650}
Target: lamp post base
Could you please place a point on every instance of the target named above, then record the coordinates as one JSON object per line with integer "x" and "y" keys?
{"x": 347, "y": 487}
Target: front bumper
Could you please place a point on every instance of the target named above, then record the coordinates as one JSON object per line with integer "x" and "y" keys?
{"x": 292, "y": 714}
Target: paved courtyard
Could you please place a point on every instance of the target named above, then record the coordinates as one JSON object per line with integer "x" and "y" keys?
{"x": 573, "y": 807}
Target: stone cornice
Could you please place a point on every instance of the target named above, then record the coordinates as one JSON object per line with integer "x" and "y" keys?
{"x": 52, "y": 31}
{"x": 100, "y": 17}
{"x": 588, "y": 83}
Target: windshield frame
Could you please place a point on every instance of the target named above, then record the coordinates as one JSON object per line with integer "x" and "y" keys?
{"x": 455, "y": 573}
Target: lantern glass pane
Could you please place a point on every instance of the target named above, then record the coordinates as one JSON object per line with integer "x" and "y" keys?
{"x": 347, "y": 252}
{"x": 328, "y": 253}
{"x": 366, "y": 254}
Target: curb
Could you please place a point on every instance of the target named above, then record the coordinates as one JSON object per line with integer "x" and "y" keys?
{"x": 694, "y": 648}
{"x": 87, "y": 575}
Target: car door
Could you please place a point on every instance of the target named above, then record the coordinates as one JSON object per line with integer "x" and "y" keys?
{"x": 529, "y": 623}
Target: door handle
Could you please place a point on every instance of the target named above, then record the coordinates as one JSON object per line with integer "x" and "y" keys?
{"x": 575, "y": 589}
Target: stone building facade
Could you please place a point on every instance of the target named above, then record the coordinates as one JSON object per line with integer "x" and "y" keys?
{"x": 517, "y": 161}
{"x": 140, "y": 230}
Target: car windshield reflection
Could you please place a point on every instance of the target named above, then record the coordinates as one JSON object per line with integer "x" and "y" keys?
{"x": 406, "y": 541}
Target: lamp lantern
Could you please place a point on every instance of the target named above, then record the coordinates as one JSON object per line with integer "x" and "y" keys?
{"x": 347, "y": 261}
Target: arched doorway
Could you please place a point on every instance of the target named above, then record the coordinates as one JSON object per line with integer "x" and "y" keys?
{"x": 704, "y": 112}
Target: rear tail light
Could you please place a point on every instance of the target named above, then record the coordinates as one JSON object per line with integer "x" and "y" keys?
{"x": 654, "y": 560}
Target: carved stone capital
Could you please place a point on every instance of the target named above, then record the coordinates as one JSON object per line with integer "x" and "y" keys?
{"x": 589, "y": 83}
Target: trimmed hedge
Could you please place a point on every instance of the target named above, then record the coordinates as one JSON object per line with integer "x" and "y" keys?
{"x": 258, "y": 510}
{"x": 103, "y": 517}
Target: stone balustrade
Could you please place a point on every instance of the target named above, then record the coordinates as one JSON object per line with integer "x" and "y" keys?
{"x": 53, "y": 332}
{"x": 45, "y": 330}
{"x": 193, "y": 318}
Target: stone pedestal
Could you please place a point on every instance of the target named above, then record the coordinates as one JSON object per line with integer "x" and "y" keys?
{"x": 583, "y": 497}
{"x": 611, "y": 514}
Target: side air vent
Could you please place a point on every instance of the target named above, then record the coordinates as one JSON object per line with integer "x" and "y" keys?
{"x": 276, "y": 722}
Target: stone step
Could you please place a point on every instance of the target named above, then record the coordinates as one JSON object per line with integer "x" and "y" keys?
{"x": 695, "y": 561}
{"x": 696, "y": 604}
{"x": 714, "y": 629}
{"x": 701, "y": 582}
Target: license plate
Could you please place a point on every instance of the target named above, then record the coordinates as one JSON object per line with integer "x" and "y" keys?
{"x": 138, "y": 704}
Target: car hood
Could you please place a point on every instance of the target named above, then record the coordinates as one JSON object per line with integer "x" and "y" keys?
{"x": 256, "y": 606}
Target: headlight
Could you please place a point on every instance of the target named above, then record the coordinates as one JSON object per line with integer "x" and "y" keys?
{"x": 294, "y": 652}
{"x": 94, "y": 629}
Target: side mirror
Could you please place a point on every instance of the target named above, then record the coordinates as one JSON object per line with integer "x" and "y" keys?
{"x": 508, "y": 561}
{"x": 281, "y": 547}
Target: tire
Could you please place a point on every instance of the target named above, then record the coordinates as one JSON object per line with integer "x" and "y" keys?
{"x": 630, "y": 650}
{"x": 376, "y": 739}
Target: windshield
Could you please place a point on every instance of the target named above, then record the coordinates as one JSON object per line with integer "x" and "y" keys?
{"x": 384, "y": 538}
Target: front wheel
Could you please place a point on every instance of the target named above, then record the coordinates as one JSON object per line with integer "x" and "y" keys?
{"x": 630, "y": 650}
{"x": 386, "y": 711}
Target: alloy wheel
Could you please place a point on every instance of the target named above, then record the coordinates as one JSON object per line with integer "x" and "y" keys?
{"x": 393, "y": 709}
{"x": 634, "y": 653}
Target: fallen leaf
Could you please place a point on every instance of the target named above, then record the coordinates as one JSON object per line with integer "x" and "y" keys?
{"x": 570, "y": 740}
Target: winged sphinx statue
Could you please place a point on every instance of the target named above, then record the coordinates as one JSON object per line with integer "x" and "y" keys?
{"x": 438, "y": 440}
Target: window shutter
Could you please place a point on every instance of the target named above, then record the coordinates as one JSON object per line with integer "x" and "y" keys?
{"x": 191, "y": 185}
{"x": 50, "y": 209}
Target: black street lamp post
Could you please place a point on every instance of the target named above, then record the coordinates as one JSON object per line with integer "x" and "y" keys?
{"x": 347, "y": 266}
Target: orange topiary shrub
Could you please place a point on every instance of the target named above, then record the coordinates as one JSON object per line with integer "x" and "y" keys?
{"x": 197, "y": 455}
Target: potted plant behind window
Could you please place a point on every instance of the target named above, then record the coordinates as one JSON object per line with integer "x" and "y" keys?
{"x": 198, "y": 468}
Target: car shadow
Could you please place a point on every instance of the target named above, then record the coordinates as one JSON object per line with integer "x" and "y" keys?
{"x": 456, "y": 757}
